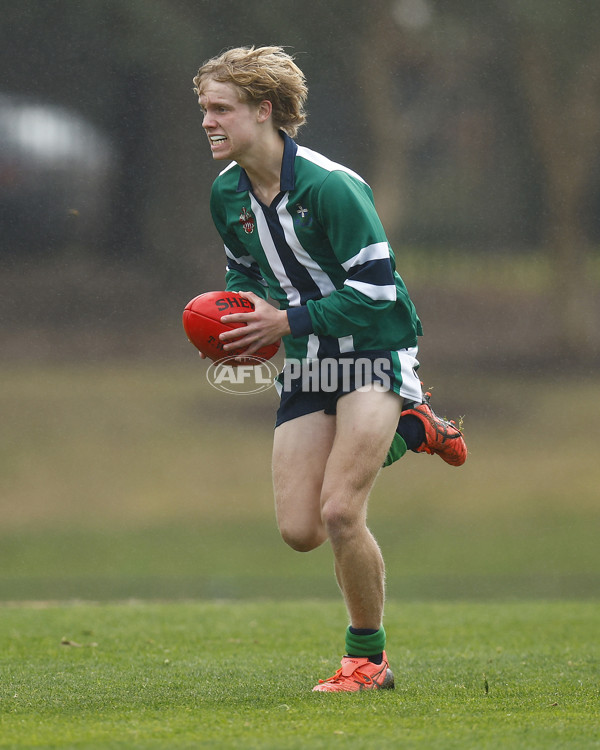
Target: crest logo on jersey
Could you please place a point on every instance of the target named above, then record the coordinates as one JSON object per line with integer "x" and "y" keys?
{"x": 302, "y": 217}
{"x": 247, "y": 221}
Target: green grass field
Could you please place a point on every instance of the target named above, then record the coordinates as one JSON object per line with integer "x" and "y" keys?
{"x": 235, "y": 675}
{"x": 148, "y": 601}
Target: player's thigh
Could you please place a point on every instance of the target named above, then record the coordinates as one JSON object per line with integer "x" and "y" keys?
{"x": 301, "y": 448}
{"x": 365, "y": 425}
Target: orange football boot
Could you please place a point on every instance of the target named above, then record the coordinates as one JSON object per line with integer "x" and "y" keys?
{"x": 441, "y": 437}
{"x": 356, "y": 674}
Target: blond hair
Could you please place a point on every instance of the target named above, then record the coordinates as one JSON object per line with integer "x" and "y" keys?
{"x": 261, "y": 73}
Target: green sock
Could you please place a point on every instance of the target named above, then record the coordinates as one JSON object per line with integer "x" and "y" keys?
{"x": 396, "y": 451}
{"x": 365, "y": 645}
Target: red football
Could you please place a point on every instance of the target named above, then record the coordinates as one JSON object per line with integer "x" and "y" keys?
{"x": 202, "y": 324}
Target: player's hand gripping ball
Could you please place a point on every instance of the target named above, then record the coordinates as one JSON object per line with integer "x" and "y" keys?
{"x": 202, "y": 324}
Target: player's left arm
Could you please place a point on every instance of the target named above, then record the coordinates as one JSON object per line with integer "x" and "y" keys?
{"x": 349, "y": 218}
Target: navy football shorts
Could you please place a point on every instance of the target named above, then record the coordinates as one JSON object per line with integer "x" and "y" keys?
{"x": 309, "y": 386}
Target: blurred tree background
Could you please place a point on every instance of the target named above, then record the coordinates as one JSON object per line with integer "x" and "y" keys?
{"x": 477, "y": 124}
{"x": 122, "y": 472}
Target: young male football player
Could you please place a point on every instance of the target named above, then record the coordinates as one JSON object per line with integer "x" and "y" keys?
{"x": 304, "y": 231}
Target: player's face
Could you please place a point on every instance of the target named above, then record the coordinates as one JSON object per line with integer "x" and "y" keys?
{"x": 230, "y": 124}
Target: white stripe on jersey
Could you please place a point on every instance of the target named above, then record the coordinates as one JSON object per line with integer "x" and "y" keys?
{"x": 374, "y": 252}
{"x": 325, "y": 163}
{"x": 231, "y": 165}
{"x": 372, "y": 291}
{"x": 273, "y": 259}
{"x": 377, "y": 251}
{"x": 321, "y": 279}
{"x": 245, "y": 260}
{"x": 317, "y": 274}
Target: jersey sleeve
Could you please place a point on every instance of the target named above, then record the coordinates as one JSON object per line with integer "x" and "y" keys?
{"x": 242, "y": 273}
{"x": 354, "y": 230}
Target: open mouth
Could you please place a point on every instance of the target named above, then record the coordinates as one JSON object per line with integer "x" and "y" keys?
{"x": 217, "y": 138}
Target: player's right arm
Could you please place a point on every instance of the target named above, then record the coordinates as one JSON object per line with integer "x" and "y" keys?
{"x": 242, "y": 273}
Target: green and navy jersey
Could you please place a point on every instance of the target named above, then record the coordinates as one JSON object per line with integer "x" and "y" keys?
{"x": 320, "y": 251}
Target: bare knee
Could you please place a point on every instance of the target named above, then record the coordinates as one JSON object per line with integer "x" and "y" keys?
{"x": 340, "y": 520}
{"x": 302, "y": 539}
